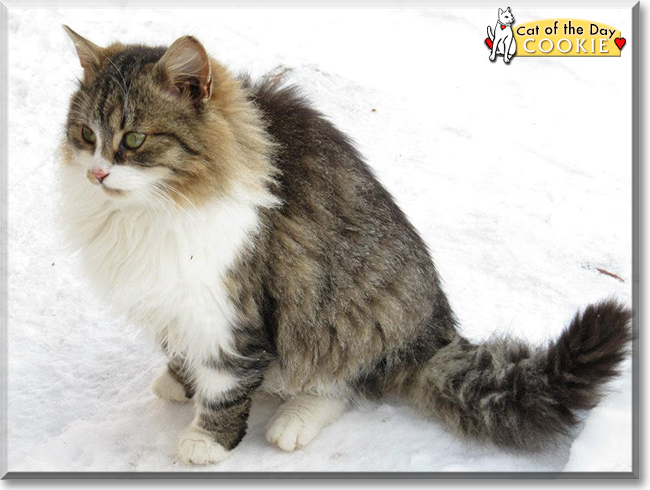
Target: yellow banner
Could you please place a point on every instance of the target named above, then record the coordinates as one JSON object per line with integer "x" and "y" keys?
{"x": 567, "y": 37}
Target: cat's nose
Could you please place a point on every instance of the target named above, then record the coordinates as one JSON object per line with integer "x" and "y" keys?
{"x": 99, "y": 174}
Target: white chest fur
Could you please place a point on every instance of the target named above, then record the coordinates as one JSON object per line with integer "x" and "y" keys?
{"x": 164, "y": 267}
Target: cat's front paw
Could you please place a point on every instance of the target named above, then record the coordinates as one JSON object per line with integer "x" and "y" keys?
{"x": 198, "y": 446}
{"x": 166, "y": 387}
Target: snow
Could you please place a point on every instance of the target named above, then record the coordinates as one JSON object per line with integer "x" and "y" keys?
{"x": 518, "y": 177}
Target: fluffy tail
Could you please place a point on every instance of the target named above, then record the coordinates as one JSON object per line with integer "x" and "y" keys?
{"x": 490, "y": 34}
{"x": 522, "y": 397}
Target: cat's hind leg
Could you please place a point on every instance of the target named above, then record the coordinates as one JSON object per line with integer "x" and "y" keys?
{"x": 493, "y": 53}
{"x": 173, "y": 383}
{"x": 299, "y": 420}
{"x": 167, "y": 388}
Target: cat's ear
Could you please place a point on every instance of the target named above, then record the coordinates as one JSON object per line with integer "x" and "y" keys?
{"x": 89, "y": 53}
{"x": 185, "y": 68}
{"x": 508, "y": 9}
{"x": 501, "y": 11}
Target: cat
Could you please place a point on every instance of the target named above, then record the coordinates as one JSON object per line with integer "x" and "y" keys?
{"x": 246, "y": 233}
{"x": 503, "y": 39}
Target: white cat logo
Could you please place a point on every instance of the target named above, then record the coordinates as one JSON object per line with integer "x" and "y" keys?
{"x": 502, "y": 41}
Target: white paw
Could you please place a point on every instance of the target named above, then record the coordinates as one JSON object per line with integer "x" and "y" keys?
{"x": 166, "y": 387}
{"x": 299, "y": 420}
{"x": 289, "y": 430}
{"x": 197, "y": 446}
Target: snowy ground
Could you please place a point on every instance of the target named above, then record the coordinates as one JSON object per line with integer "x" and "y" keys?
{"x": 519, "y": 178}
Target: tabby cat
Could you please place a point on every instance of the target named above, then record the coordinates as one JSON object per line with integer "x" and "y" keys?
{"x": 240, "y": 228}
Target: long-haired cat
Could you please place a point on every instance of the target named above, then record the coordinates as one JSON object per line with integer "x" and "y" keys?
{"x": 246, "y": 233}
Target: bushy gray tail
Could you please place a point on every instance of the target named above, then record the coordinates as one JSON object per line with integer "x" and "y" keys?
{"x": 522, "y": 397}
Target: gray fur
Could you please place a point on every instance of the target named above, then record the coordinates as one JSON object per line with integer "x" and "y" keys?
{"x": 338, "y": 292}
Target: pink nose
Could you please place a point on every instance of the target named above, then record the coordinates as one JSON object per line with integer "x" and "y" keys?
{"x": 99, "y": 174}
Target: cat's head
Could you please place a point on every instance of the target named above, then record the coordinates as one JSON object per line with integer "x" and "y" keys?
{"x": 152, "y": 123}
{"x": 506, "y": 17}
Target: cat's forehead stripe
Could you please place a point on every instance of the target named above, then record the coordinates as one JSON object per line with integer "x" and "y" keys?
{"x": 115, "y": 83}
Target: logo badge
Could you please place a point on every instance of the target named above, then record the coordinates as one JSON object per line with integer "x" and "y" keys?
{"x": 502, "y": 40}
{"x": 551, "y": 37}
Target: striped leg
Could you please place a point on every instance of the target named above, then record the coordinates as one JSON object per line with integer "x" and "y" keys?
{"x": 223, "y": 401}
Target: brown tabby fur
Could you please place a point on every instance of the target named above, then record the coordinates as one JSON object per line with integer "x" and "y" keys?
{"x": 337, "y": 292}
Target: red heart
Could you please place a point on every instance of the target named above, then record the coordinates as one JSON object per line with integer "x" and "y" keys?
{"x": 502, "y": 27}
{"x": 620, "y": 42}
{"x": 488, "y": 41}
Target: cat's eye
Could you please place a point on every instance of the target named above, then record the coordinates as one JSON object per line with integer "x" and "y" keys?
{"x": 88, "y": 135}
{"x": 134, "y": 140}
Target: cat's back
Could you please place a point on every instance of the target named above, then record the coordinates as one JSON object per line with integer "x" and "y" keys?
{"x": 321, "y": 171}
{"x": 343, "y": 257}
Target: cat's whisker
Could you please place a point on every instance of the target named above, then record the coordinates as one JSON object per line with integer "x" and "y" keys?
{"x": 170, "y": 198}
{"x": 175, "y": 190}
{"x": 151, "y": 206}
{"x": 81, "y": 98}
{"x": 162, "y": 207}
{"x": 124, "y": 86}
{"x": 79, "y": 105}
{"x": 172, "y": 204}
